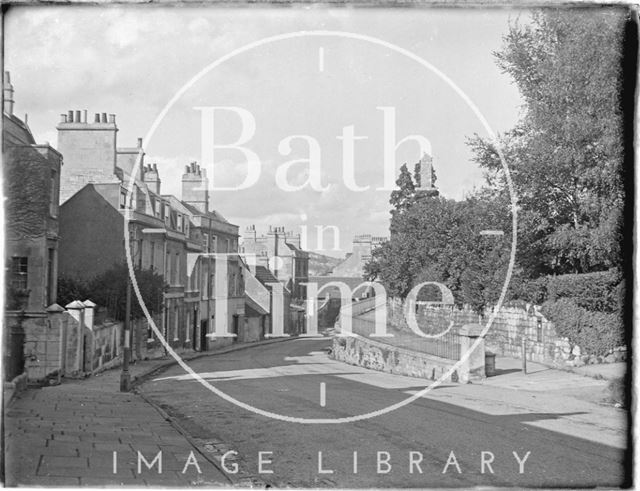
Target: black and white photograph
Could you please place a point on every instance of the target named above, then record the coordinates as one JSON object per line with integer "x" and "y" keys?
{"x": 318, "y": 245}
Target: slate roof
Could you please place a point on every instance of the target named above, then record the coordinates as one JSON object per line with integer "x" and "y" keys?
{"x": 265, "y": 276}
{"x": 192, "y": 209}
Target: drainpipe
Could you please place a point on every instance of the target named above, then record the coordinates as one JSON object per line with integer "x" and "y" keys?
{"x": 206, "y": 339}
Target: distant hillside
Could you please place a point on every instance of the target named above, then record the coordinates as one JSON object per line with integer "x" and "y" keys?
{"x": 320, "y": 265}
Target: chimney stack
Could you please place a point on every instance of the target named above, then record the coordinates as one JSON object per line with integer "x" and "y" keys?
{"x": 63, "y": 118}
{"x": 139, "y": 142}
{"x": 195, "y": 187}
{"x": 152, "y": 178}
{"x": 97, "y": 118}
{"x": 78, "y": 117}
{"x": 104, "y": 118}
{"x": 7, "y": 94}
{"x": 70, "y": 118}
{"x": 112, "y": 118}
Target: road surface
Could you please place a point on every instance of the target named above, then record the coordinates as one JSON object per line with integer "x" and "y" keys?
{"x": 435, "y": 441}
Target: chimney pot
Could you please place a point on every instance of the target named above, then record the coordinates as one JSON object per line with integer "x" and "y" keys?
{"x": 97, "y": 118}
{"x": 186, "y": 169}
{"x": 84, "y": 116}
{"x": 104, "y": 117}
{"x": 139, "y": 142}
{"x": 70, "y": 116}
{"x": 63, "y": 118}
{"x": 78, "y": 117}
{"x": 112, "y": 118}
{"x": 155, "y": 167}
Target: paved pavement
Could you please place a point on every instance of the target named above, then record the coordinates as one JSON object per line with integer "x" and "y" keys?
{"x": 540, "y": 377}
{"x": 574, "y": 441}
{"x": 73, "y": 433}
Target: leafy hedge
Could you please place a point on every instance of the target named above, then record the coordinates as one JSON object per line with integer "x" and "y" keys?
{"x": 600, "y": 292}
{"x": 596, "y": 333}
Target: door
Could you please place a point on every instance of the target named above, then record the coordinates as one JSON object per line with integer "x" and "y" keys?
{"x": 203, "y": 335}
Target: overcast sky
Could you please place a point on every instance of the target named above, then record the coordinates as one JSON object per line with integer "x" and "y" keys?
{"x": 131, "y": 61}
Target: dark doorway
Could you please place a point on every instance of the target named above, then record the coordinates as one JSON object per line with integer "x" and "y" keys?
{"x": 234, "y": 329}
{"x": 194, "y": 328}
{"x": 203, "y": 335}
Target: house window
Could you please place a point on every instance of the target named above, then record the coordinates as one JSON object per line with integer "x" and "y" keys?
{"x": 152, "y": 254}
{"x": 53, "y": 199}
{"x": 141, "y": 200}
{"x": 19, "y": 269}
{"x": 167, "y": 213}
{"x": 179, "y": 223}
{"x": 193, "y": 284}
{"x": 228, "y": 245}
{"x": 177, "y": 279}
{"x": 214, "y": 243}
{"x": 140, "y": 252}
{"x": 206, "y": 243}
{"x": 123, "y": 199}
{"x": 51, "y": 276}
{"x": 203, "y": 281}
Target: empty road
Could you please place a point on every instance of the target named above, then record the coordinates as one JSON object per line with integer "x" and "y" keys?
{"x": 437, "y": 440}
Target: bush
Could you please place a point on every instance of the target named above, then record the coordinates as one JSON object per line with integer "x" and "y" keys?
{"x": 529, "y": 291}
{"x": 600, "y": 292}
{"x": 596, "y": 333}
{"x": 70, "y": 289}
{"x": 109, "y": 290}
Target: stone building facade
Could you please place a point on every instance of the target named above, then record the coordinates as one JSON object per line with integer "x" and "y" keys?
{"x": 105, "y": 183}
{"x": 31, "y": 188}
{"x": 279, "y": 251}
{"x": 353, "y": 264}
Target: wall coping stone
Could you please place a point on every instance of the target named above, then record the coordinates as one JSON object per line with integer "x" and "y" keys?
{"x": 471, "y": 330}
{"x": 55, "y": 309}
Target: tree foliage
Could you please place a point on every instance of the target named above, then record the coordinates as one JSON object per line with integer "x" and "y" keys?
{"x": 402, "y": 198}
{"x": 109, "y": 290}
{"x": 565, "y": 153}
{"x": 564, "y": 157}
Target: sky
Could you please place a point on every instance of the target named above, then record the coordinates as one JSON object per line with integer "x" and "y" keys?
{"x": 299, "y": 95}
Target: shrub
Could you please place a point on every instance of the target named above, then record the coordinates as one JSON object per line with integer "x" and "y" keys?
{"x": 598, "y": 291}
{"x": 70, "y": 289}
{"x": 596, "y": 333}
{"x": 530, "y": 291}
{"x": 109, "y": 290}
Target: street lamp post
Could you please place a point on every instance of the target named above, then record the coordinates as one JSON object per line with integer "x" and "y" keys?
{"x": 125, "y": 376}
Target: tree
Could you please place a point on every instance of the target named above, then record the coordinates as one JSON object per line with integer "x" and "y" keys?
{"x": 564, "y": 154}
{"x": 438, "y": 239}
{"x": 402, "y": 198}
{"x": 109, "y": 290}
